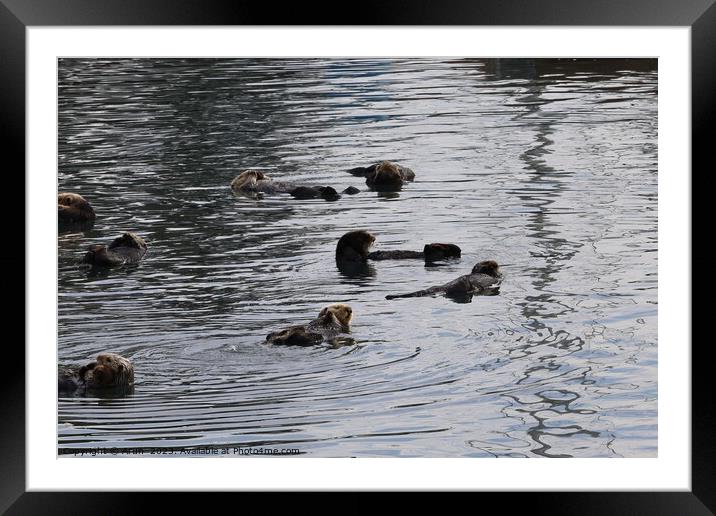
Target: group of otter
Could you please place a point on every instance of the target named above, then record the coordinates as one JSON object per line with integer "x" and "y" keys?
{"x": 111, "y": 371}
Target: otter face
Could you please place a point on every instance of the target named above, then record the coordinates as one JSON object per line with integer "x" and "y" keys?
{"x": 247, "y": 179}
{"x": 109, "y": 370}
{"x": 342, "y": 312}
{"x": 354, "y": 245}
{"x": 100, "y": 376}
{"x": 488, "y": 267}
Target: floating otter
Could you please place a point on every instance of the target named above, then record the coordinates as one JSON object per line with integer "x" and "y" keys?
{"x": 129, "y": 248}
{"x": 354, "y": 247}
{"x": 74, "y": 209}
{"x": 485, "y": 278}
{"x": 331, "y": 322}
{"x": 108, "y": 372}
{"x": 254, "y": 182}
{"x": 385, "y": 175}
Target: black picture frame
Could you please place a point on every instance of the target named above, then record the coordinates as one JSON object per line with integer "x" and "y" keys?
{"x": 17, "y": 15}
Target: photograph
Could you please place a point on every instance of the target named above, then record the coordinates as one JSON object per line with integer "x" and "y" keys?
{"x": 357, "y": 257}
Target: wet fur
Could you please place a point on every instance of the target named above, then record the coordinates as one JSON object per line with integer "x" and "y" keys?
{"x": 484, "y": 278}
{"x": 256, "y": 182}
{"x": 126, "y": 249}
{"x": 384, "y": 175}
{"x": 108, "y": 371}
{"x": 331, "y": 322}
{"x": 354, "y": 247}
{"x": 72, "y": 208}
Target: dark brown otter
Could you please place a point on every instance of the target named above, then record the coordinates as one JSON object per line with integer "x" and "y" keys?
{"x": 331, "y": 322}
{"x": 430, "y": 253}
{"x": 254, "y": 182}
{"x": 385, "y": 175}
{"x": 72, "y": 208}
{"x": 109, "y": 371}
{"x": 485, "y": 278}
{"x": 129, "y": 248}
{"x": 354, "y": 246}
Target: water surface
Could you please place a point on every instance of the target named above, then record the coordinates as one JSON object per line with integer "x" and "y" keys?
{"x": 548, "y": 167}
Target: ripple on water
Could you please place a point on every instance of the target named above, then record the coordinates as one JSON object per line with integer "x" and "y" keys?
{"x": 547, "y": 167}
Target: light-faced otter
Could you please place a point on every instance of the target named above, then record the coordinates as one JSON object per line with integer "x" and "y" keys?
{"x": 331, "y": 322}
{"x": 72, "y": 208}
{"x": 384, "y": 175}
{"x": 485, "y": 278}
{"x": 354, "y": 246}
{"x": 128, "y": 248}
{"x": 108, "y": 372}
{"x": 254, "y": 182}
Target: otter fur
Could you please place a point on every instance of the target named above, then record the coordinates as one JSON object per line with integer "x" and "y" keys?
{"x": 430, "y": 253}
{"x": 354, "y": 247}
{"x": 485, "y": 278}
{"x": 255, "y": 182}
{"x": 332, "y": 321}
{"x": 108, "y": 371}
{"x": 72, "y": 208}
{"x": 126, "y": 249}
{"x": 384, "y": 175}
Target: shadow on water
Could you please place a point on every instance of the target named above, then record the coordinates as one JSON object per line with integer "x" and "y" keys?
{"x": 356, "y": 269}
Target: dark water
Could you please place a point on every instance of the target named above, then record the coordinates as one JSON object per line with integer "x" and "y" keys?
{"x": 549, "y": 168}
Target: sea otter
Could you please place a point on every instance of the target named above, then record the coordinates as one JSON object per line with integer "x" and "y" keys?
{"x": 74, "y": 209}
{"x": 384, "y": 175}
{"x": 108, "y": 371}
{"x": 354, "y": 247}
{"x": 331, "y": 322}
{"x": 485, "y": 278}
{"x": 254, "y": 182}
{"x": 128, "y": 248}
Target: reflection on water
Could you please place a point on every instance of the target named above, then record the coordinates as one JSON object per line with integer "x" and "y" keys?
{"x": 548, "y": 167}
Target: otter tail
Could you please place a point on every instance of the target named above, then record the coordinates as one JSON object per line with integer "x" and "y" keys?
{"x": 419, "y": 293}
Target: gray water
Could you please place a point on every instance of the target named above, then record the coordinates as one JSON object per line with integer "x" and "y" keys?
{"x": 548, "y": 167}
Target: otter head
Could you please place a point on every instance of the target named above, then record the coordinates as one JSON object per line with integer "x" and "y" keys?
{"x": 248, "y": 179}
{"x": 109, "y": 370}
{"x": 385, "y": 174}
{"x": 71, "y": 199}
{"x": 488, "y": 267}
{"x": 435, "y": 252}
{"x": 354, "y": 246}
{"x": 342, "y": 313}
{"x": 72, "y": 207}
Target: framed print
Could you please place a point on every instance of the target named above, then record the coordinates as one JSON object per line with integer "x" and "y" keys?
{"x": 368, "y": 257}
